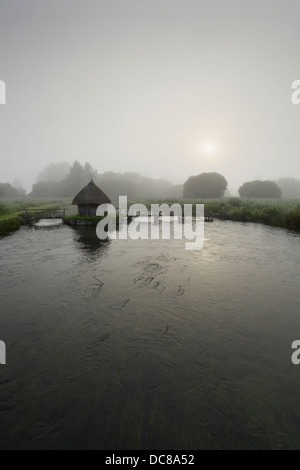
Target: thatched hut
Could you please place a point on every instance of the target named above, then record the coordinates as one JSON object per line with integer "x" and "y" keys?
{"x": 89, "y": 199}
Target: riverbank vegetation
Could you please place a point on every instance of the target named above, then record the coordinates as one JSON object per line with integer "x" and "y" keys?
{"x": 83, "y": 219}
{"x": 87, "y": 218}
{"x": 278, "y": 213}
{"x": 9, "y": 224}
{"x": 10, "y": 210}
{"x": 77, "y": 221}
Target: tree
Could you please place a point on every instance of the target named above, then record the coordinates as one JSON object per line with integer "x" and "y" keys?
{"x": 290, "y": 187}
{"x": 90, "y": 172}
{"x": 46, "y": 189}
{"x": 62, "y": 180}
{"x": 78, "y": 177}
{"x": 18, "y": 185}
{"x": 176, "y": 191}
{"x": 206, "y": 185}
{"x": 114, "y": 184}
{"x": 75, "y": 180}
{"x": 6, "y": 190}
{"x": 260, "y": 189}
{"x": 132, "y": 185}
{"x": 54, "y": 172}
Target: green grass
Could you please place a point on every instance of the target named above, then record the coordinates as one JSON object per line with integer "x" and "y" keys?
{"x": 10, "y": 209}
{"x": 17, "y": 206}
{"x": 89, "y": 219}
{"x": 9, "y": 224}
{"x": 278, "y": 213}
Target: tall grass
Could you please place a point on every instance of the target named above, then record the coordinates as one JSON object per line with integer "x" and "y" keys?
{"x": 9, "y": 225}
{"x": 278, "y": 213}
{"x": 11, "y": 208}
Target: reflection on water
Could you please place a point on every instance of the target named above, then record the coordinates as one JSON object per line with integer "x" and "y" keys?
{"x": 141, "y": 344}
{"x": 87, "y": 240}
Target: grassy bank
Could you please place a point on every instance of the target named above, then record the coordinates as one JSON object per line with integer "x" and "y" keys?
{"x": 9, "y": 224}
{"x": 10, "y": 209}
{"x": 278, "y": 213}
{"x": 82, "y": 219}
{"x": 78, "y": 221}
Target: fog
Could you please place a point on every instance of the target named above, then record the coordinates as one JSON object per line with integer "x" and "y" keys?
{"x": 164, "y": 88}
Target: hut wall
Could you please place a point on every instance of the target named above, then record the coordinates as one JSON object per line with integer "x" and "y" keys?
{"x": 87, "y": 211}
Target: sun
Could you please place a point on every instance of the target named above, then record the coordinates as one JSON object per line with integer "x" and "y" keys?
{"x": 209, "y": 148}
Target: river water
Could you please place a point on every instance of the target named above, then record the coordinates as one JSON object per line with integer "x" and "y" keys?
{"x": 176, "y": 350}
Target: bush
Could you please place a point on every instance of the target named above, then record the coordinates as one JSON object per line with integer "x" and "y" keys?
{"x": 9, "y": 225}
{"x": 206, "y": 185}
{"x": 260, "y": 189}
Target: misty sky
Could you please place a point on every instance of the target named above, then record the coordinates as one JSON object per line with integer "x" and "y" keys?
{"x": 165, "y": 88}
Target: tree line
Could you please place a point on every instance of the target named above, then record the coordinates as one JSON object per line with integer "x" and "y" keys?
{"x": 63, "y": 180}
{"x": 214, "y": 185}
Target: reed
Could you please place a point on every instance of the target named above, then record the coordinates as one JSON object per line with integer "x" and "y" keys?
{"x": 9, "y": 224}
{"x": 277, "y": 213}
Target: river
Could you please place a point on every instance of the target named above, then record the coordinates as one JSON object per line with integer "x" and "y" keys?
{"x": 176, "y": 350}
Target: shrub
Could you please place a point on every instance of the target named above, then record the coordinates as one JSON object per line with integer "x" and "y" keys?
{"x": 206, "y": 185}
{"x": 260, "y": 189}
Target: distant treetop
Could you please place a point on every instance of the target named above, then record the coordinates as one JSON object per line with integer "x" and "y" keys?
{"x": 260, "y": 189}
{"x": 206, "y": 185}
{"x": 290, "y": 187}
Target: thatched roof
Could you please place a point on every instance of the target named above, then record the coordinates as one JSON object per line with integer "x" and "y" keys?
{"x": 91, "y": 195}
